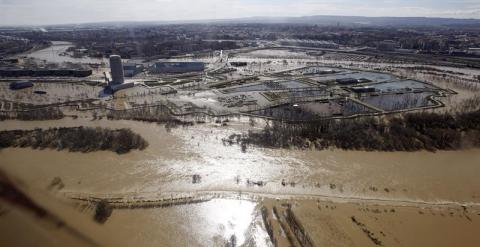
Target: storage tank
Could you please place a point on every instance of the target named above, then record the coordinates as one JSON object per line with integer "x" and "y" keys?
{"x": 116, "y": 68}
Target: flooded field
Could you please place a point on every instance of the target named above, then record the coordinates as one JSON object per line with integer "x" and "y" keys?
{"x": 359, "y": 75}
{"x": 313, "y": 110}
{"x": 267, "y": 86}
{"x": 55, "y": 54}
{"x": 54, "y": 93}
{"x": 401, "y": 85}
{"x": 364, "y": 224}
{"x": 394, "y": 102}
{"x": 274, "y": 53}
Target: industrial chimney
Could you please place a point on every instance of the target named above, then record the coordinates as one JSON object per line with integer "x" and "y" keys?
{"x": 116, "y": 68}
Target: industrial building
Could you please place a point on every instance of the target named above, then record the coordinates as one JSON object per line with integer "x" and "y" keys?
{"x": 116, "y": 69}
{"x": 20, "y": 85}
{"x": 132, "y": 69}
{"x": 20, "y": 72}
{"x": 177, "y": 67}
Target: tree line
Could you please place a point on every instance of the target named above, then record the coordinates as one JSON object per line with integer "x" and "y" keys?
{"x": 48, "y": 113}
{"x": 76, "y": 139}
{"x": 408, "y": 132}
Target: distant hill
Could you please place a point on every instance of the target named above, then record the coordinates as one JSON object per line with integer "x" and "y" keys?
{"x": 317, "y": 20}
{"x": 360, "y": 20}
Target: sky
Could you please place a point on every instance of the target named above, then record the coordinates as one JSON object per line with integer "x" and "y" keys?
{"x": 44, "y": 12}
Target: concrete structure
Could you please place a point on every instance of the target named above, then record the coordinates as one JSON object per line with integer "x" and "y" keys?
{"x": 116, "y": 68}
{"x": 177, "y": 67}
{"x": 118, "y": 87}
{"x": 346, "y": 81}
{"x": 363, "y": 89}
{"x": 238, "y": 64}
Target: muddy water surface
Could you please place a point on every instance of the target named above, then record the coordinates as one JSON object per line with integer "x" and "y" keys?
{"x": 212, "y": 223}
{"x": 52, "y": 54}
{"x": 173, "y": 157}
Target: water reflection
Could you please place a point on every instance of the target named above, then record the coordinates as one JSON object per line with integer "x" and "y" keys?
{"x": 214, "y": 223}
{"x": 53, "y": 53}
{"x": 233, "y": 218}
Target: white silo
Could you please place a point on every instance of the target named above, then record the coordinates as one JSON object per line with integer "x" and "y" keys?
{"x": 116, "y": 68}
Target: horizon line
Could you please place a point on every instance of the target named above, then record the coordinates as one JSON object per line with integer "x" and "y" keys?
{"x": 199, "y": 21}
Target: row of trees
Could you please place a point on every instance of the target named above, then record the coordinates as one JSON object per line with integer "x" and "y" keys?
{"x": 50, "y": 113}
{"x": 77, "y": 139}
{"x": 411, "y": 132}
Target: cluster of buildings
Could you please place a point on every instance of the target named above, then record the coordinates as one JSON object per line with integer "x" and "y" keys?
{"x": 387, "y": 45}
{"x": 119, "y": 71}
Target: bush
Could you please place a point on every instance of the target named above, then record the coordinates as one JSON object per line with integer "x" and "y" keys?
{"x": 103, "y": 210}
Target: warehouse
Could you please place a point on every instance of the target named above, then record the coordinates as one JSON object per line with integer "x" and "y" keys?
{"x": 20, "y": 85}
{"x": 177, "y": 67}
{"x": 16, "y": 72}
{"x": 132, "y": 69}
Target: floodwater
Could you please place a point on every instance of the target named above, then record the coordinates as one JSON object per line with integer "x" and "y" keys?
{"x": 313, "y": 110}
{"x": 212, "y": 223}
{"x": 400, "y": 85}
{"x": 372, "y": 76}
{"x": 166, "y": 167}
{"x": 394, "y": 102}
{"x": 266, "y": 86}
{"x": 52, "y": 54}
{"x": 55, "y": 93}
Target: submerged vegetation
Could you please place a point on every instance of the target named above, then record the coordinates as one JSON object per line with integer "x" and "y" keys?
{"x": 47, "y": 113}
{"x": 410, "y": 132}
{"x": 77, "y": 139}
{"x": 103, "y": 210}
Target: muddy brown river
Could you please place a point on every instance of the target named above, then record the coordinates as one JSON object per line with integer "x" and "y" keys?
{"x": 173, "y": 157}
{"x": 165, "y": 170}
